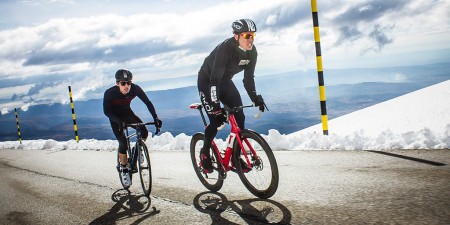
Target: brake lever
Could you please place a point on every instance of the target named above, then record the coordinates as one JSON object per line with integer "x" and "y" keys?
{"x": 265, "y": 106}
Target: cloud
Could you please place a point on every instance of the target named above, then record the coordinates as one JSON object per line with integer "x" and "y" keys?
{"x": 50, "y": 54}
{"x": 118, "y": 39}
{"x": 369, "y": 11}
{"x": 282, "y": 16}
{"x": 372, "y": 25}
{"x": 365, "y": 21}
{"x": 379, "y": 35}
{"x": 84, "y": 87}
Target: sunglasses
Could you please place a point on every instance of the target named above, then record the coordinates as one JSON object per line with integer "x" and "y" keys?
{"x": 123, "y": 83}
{"x": 248, "y": 36}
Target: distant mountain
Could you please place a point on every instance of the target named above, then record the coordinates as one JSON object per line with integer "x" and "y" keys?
{"x": 292, "y": 98}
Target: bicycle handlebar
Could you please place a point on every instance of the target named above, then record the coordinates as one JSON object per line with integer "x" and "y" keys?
{"x": 139, "y": 124}
{"x": 239, "y": 108}
{"x": 134, "y": 125}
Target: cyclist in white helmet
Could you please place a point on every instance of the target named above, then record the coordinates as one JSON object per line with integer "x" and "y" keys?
{"x": 214, "y": 82}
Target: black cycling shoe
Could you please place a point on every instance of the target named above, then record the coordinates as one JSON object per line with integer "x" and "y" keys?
{"x": 205, "y": 163}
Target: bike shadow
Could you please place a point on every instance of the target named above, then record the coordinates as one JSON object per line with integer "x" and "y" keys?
{"x": 252, "y": 211}
{"x": 127, "y": 205}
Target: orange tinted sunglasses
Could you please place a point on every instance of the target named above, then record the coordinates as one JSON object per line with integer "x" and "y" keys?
{"x": 248, "y": 35}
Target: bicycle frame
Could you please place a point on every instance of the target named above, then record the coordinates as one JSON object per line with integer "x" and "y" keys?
{"x": 234, "y": 135}
{"x": 134, "y": 156}
{"x": 258, "y": 171}
{"x": 138, "y": 157}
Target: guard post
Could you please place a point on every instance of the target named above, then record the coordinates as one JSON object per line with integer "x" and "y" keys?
{"x": 74, "y": 118}
{"x": 323, "y": 105}
{"x": 18, "y": 126}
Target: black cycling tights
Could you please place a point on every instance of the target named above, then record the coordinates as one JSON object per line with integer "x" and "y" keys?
{"x": 118, "y": 132}
{"x": 228, "y": 95}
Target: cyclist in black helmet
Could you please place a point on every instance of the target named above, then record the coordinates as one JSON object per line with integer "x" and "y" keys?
{"x": 214, "y": 82}
{"x": 116, "y": 106}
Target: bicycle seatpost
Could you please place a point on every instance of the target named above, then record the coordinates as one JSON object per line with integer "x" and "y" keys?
{"x": 203, "y": 116}
{"x": 199, "y": 107}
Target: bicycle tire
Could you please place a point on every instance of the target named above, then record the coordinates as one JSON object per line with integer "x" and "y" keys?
{"x": 145, "y": 169}
{"x": 120, "y": 174}
{"x": 262, "y": 180}
{"x": 211, "y": 181}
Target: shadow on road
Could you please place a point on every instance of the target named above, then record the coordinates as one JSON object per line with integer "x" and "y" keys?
{"x": 409, "y": 158}
{"x": 251, "y": 210}
{"x": 127, "y": 206}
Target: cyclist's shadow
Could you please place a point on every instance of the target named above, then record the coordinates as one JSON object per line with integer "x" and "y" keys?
{"x": 252, "y": 211}
{"x": 127, "y": 206}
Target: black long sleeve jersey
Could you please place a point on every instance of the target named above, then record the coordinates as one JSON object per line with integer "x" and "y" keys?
{"x": 226, "y": 60}
{"x": 117, "y": 105}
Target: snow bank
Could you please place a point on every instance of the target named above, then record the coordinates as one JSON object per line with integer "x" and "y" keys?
{"x": 418, "y": 120}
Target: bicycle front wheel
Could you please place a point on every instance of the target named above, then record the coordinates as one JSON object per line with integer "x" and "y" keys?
{"x": 211, "y": 181}
{"x": 262, "y": 179}
{"x": 145, "y": 169}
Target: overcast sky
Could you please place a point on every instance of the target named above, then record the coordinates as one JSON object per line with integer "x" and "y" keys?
{"x": 46, "y": 45}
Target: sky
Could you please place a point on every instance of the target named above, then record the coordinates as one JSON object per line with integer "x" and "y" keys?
{"x": 47, "y": 45}
{"x": 418, "y": 120}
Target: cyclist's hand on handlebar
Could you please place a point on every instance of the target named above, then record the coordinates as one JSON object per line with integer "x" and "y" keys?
{"x": 259, "y": 102}
{"x": 158, "y": 123}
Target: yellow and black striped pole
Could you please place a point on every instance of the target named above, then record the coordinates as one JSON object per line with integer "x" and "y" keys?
{"x": 74, "y": 118}
{"x": 323, "y": 105}
{"x": 18, "y": 126}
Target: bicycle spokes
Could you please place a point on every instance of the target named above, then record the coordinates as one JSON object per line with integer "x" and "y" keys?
{"x": 251, "y": 158}
{"x": 222, "y": 172}
{"x": 212, "y": 181}
{"x": 257, "y": 163}
{"x": 262, "y": 180}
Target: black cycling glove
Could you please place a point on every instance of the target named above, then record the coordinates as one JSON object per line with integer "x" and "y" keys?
{"x": 259, "y": 101}
{"x": 158, "y": 123}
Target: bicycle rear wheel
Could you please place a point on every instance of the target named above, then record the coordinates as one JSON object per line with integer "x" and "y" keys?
{"x": 120, "y": 174}
{"x": 211, "y": 181}
{"x": 262, "y": 179}
{"x": 145, "y": 169}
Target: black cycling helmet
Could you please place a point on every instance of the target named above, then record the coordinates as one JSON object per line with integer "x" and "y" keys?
{"x": 123, "y": 75}
{"x": 243, "y": 25}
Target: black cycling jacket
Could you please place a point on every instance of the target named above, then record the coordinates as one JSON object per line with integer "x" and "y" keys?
{"x": 226, "y": 60}
{"x": 116, "y": 105}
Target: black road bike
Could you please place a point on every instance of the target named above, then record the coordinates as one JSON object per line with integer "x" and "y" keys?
{"x": 138, "y": 157}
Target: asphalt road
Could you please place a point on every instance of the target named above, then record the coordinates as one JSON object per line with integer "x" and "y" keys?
{"x": 316, "y": 187}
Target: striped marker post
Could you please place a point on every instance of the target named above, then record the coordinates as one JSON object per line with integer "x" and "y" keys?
{"x": 323, "y": 105}
{"x": 74, "y": 118}
{"x": 18, "y": 126}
